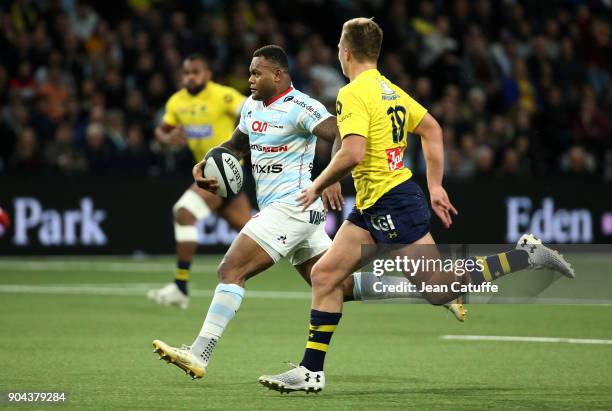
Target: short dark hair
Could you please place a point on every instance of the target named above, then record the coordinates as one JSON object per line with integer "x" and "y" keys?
{"x": 196, "y": 57}
{"x": 364, "y": 38}
{"x": 275, "y": 54}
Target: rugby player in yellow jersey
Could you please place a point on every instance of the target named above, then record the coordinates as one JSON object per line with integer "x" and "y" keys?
{"x": 201, "y": 115}
{"x": 374, "y": 117}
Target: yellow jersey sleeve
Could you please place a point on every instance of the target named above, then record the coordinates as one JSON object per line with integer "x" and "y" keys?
{"x": 170, "y": 116}
{"x": 352, "y": 114}
{"x": 233, "y": 101}
{"x": 416, "y": 113}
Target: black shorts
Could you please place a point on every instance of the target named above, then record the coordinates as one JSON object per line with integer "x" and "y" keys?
{"x": 400, "y": 216}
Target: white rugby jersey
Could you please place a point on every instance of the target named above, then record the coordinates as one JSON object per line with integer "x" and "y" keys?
{"x": 282, "y": 143}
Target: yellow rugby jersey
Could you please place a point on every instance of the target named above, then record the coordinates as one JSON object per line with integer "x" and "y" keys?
{"x": 209, "y": 118}
{"x": 384, "y": 114}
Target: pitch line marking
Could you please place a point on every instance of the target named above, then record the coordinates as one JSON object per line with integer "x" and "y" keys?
{"x": 97, "y": 266}
{"x": 138, "y": 289}
{"x": 526, "y": 339}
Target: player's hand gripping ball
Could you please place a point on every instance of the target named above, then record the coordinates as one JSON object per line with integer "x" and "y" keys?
{"x": 223, "y": 166}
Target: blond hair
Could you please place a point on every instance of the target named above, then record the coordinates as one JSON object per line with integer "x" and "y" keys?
{"x": 363, "y": 37}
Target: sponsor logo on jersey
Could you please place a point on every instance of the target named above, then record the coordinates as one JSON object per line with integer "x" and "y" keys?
{"x": 267, "y": 168}
{"x": 310, "y": 109}
{"x": 344, "y": 117}
{"x": 198, "y": 132}
{"x": 395, "y": 158}
{"x": 382, "y": 222}
{"x": 259, "y": 126}
{"x": 269, "y": 149}
{"x": 387, "y": 92}
{"x": 288, "y": 98}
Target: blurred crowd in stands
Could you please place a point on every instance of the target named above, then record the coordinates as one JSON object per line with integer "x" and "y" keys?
{"x": 521, "y": 87}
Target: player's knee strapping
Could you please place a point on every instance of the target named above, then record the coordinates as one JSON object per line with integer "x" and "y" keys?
{"x": 194, "y": 204}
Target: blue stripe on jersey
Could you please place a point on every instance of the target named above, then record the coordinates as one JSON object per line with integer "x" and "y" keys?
{"x": 299, "y": 157}
{"x": 282, "y": 146}
{"x": 264, "y": 182}
{"x": 286, "y": 197}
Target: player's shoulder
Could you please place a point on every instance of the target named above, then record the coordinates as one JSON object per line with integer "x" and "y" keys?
{"x": 298, "y": 102}
{"x": 229, "y": 94}
{"x": 361, "y": 88}
{"x": 251, "y": 103}
{"x": 177, "y": 97}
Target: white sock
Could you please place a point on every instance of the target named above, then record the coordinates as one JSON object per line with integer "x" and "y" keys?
{"x": 223, "y": 308}
{"x": 364, "y": 288}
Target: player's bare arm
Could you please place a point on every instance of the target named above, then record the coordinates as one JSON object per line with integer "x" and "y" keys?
{"x": 328, "y": 131}
{"x": 433, "y": 149}
{"x": 350, "y": 154}
{"x": 238, "y": 144}
{"x": 168, "y": 135}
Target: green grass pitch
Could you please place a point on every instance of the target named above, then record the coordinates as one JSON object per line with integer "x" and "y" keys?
{"x": 84, "y": 326}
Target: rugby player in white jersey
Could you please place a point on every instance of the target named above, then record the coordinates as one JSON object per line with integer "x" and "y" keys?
{"x": 278, "y": 126}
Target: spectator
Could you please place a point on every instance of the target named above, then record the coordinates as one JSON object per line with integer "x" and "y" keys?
{"x": 485, "y": 161}
{"x": 61, "y": 154}
{"x": 137, "y": 158}
{"x": 136, "y": 109}
{"x": 523, "y": 80}
{"x": 23, "y": 83}
{"x": 83, "y": 20}
{"x": 437, "y": 43}
{"x": 324, "y": 72}
{"x": 55, "y": 94}
{"x": 100, "y": 152}
{"x": 577, "y": 162}
{"x": 114, "y": 128}
{"x": 511, "y": 166}
{"x": 27, "y": 158}
{"x": 592, "y": 127}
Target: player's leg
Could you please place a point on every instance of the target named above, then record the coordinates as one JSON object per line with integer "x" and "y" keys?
{"x": 348, "y": 284}
{"x": 356, "y": 287}
{"x": 361, "y": 286}
{"x": 244, "y": 259}
{"x": 528, "y": 253}
{"x": 236, "y": 211}
{"x": 192, "y": 206}
{"x": 327, "y": 276}
{"x": 265, "y": 239}
{"x": 307, "y": 253}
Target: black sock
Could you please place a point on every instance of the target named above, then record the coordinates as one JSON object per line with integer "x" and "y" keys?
{"x": 498, "y": 265}
{"x": 322, "y": 327}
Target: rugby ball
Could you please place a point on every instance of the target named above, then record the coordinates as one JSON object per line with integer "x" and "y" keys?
{"x": 223, "y": 165}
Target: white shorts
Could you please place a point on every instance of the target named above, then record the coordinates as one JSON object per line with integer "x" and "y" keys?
{"x": 283, "y": 230}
